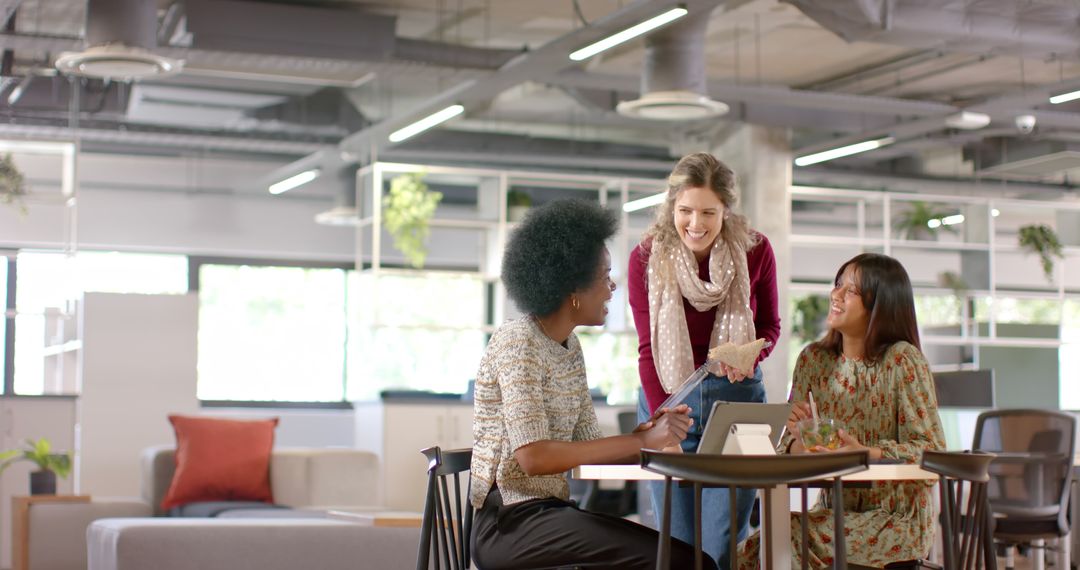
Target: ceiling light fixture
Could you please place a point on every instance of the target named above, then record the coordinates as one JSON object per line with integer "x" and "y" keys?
{"x": 843, "y": 151}
{"x": 294, "y": 181}
{"x": 646, "y": 202}
{"x": 628, "y": 34}
{"x": 1065, "y": 97}
{"x": 426, "y": 123}
{"x": 967, "y": 120}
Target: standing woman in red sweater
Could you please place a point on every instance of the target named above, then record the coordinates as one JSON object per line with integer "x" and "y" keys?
{"x": 699, "y": 278}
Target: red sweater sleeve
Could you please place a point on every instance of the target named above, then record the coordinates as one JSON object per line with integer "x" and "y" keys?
{"x": 761, "y": 265}
{"x": 637, "y": 287}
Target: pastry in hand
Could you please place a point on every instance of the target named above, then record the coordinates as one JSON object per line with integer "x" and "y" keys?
{"x": 738, "y": 356}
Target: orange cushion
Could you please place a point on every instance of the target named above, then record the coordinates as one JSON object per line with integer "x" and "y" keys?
{"x": 220, "y": 460}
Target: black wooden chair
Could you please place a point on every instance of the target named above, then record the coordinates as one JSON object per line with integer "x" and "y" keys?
{"x": 967, "y": 524}
{"x": 752, "y": 471}
{"x": 447, "y": 524}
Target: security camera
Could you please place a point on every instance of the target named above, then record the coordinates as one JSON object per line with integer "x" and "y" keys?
{"x": 1025, "y": 123}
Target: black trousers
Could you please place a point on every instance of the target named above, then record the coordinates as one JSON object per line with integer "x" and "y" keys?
{"x": 552, "y": 533}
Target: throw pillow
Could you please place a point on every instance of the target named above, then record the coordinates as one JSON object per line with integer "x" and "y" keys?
{"x": 220, "y": 460}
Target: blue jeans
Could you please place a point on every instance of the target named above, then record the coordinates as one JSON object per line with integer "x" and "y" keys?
{"x": 714, "y": 502}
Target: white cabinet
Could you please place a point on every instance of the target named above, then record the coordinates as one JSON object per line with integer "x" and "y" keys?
{"x": 398, "y": 431}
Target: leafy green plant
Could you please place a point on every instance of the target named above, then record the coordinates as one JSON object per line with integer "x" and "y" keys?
{"x": 407, "y": 209}
{"x": 953, "y": 281}
{"x": 809, "y": 318}
{"x": 40, "y": 453}
{"x": 12, "y": 184}
{"x": 518, "y": 198}
{"x": 1041, "y": 239}
{"x": 913, "y": 222}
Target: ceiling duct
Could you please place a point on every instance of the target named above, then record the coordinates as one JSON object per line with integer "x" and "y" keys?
{"x": 119, "y": 36}
{"x": 1037, "y": 159}
{"x": 344, "y": 212}
{"x": 673, "y": 84}
{"x": 1034, "y": 28}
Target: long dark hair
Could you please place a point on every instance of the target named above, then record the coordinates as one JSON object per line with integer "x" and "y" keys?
{"x": 886, "y": 294}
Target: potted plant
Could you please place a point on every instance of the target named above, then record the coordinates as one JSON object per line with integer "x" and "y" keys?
{"x": 810, "y": 312}
{"x": 517, "y": 205}
{"x": 407, "y": 209}
{"x": 12, "y": 184}
{"x": 50, "y": 464}
{"x": 1041, "y": 239}
{"x": 914, "y": 222}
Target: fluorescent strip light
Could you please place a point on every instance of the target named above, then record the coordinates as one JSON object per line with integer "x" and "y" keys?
{"x": 953, "y": 220}
{"x": 1065, "y": 97}
{"x": 842, "y": 151}
{"x": 642, "y": 203}
{"x": 294, "y": 181}
{"x": 995, "y": 212}
{"x": 933, "y": 223}
{"x": 628, "y": 34}
{"x": 426, "y": 123}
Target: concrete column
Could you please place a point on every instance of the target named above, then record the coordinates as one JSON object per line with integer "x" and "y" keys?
{"x": 761, "y": 158}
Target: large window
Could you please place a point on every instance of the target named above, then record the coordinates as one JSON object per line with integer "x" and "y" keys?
{"x": 271, "y": 333}
{"x": 49, "y": 287}
{"x": 415, "y": 330}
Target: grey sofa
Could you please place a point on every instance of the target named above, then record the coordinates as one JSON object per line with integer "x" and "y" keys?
{"x": 248, "y": 544}
{"x": 309, "y": 480}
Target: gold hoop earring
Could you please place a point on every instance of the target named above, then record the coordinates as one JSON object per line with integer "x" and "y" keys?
{"x": 575, "y": 303}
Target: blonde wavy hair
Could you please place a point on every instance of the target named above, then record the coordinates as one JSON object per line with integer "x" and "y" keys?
{"x": 699, "y": 170}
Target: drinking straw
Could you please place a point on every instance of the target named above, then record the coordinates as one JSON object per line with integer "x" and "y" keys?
{"x": 813, "y": 409}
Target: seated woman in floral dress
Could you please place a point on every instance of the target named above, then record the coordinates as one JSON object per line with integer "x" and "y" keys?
{"x": 869, "y": 373}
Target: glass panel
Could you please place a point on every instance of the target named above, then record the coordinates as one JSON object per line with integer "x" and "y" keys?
{"x": 271, "y": 333}
{"x": 1070, "y": 266}
{"x": 429, "y": 298}
{"x": 464, "y": 196}
{"x": 116, "y": 272}
{"x": 1028, "y": 311}
{"x": 1069, "y": 356}
{"x": 611, "y": 365}
{"x": 937, "y": 267}
{"x": 825, "y": 218}
{"x": 921, "y": 220}
{"x": 1023, "y": 271}
{"x": 939, "y": 315}
{"x": 812, "y": 263}
{"x": 1011, "y": 218}
{"x": 411, "y": 359}
{"x": 30, "y": 354}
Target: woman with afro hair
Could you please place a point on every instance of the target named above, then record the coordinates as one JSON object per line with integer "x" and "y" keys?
{"x": 533, "y": 417}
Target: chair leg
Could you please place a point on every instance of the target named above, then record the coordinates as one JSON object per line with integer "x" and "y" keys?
{"x": 1038, "y": 554}
{"x": 698, "y": 558}
{"x": 1010, "y": 557}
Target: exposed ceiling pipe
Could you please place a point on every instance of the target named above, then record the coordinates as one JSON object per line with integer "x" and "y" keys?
{"x": 970, "y": 27}
{"x": 673, "y": 79}
{"x": 168, "y": 140}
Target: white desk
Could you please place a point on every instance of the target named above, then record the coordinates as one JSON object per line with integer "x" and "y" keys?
{"x": 776, "y": 535}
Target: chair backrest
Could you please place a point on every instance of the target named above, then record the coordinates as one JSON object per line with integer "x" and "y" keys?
{"x": 447, "y": 525}
{"x": 966, "y": 520}
{"x": 752, "y": 471}
{"x": 1030, "y": 478}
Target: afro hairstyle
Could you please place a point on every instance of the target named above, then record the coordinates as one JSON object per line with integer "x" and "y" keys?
{"x": 555, "y": 251}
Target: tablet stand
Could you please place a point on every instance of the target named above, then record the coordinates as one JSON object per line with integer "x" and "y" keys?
{"x": 749, "y": 439}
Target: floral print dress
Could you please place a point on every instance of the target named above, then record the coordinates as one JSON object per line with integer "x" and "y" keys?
{"x": 891, "y": 405}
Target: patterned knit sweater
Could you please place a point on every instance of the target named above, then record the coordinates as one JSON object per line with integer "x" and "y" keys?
{"x": 529, "y": 388}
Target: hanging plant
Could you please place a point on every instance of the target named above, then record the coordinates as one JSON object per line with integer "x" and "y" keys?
{"x": 12, "y": 184}
{"x": 914, "y": 222}
{"x": 407, "y": 209}
{"x": 810, "y": 312}
{"x": 1041, "y": 239}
